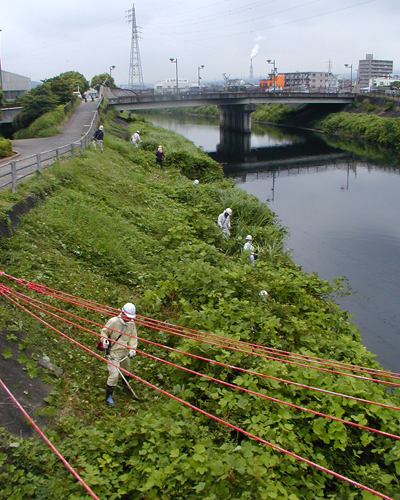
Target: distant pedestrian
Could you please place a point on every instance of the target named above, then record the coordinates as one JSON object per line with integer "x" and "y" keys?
{"x": 98, "y": 137}
{"x": 136, "y": 138}
{"x": 224, "y": 222}
{"x": 248, "y": 248}
{"x": 160, "y": 157}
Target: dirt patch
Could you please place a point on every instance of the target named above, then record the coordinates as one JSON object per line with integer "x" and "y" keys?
{"x": 30, "y": 393}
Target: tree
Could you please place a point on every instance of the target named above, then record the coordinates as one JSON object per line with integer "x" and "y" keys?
{"x": 395, "y": 85}
{"x": 1, "y": 98}
{"x": 66, "y": 83}
{"x": 35, "y": 103}
{"x": 103, "y": 79}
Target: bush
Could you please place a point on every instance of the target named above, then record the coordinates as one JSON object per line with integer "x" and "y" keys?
{"x": 44, "y": 126}
{"x": 273, "y": 113}
{"x": 5, "y": 147}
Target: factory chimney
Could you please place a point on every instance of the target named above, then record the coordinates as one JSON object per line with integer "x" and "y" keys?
{"x": 251, "y": 69}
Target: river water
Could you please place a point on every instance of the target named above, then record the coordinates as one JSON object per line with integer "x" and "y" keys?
{"x": 342, "y": 212}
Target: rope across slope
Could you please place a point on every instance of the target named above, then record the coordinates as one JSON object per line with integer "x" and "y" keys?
{"x": 18, "y": 299}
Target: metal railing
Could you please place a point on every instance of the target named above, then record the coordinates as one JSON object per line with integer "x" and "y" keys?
{"x": 14, "y": 171}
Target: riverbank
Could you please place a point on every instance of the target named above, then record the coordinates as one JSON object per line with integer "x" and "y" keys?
{"x": 114, "y": 227}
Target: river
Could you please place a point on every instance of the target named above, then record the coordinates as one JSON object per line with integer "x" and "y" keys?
{"x": 342, "y": 212}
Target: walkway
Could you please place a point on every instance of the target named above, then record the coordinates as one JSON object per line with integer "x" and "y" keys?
{"x": 76, "y": 126}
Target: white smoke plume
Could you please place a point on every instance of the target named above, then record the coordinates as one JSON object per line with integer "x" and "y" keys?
{"x": 256, "y": 48}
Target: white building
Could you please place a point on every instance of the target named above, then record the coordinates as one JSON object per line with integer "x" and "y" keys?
{"x": 382, "y": 82}
{"x": 169, "y": 85}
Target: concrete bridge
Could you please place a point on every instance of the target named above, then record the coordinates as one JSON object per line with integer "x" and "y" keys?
{"x": 8, "y": 114}
{"x": 235, "y": 108}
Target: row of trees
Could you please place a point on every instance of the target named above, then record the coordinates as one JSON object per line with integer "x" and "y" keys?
{"x": 53, "y": 92}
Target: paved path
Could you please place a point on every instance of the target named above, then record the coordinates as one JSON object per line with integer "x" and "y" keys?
{"x": 76, "y": 126}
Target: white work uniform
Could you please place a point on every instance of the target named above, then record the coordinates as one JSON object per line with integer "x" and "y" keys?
{"x": 128, "y": 339}
{"x": 248, "y": 249}
{"x": 224, "y": 222}
{"x": 136, "y": 139}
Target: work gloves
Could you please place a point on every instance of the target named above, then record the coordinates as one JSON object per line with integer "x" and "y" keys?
{"x": 132, "y": 353}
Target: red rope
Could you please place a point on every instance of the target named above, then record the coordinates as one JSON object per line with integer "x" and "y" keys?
{"x": 234, "y": 386}
{"x": 42, "y": 435}
{"x": 224, "y": 422}
{"x": 33, "y": 301}
{"x": 173, "y": 329}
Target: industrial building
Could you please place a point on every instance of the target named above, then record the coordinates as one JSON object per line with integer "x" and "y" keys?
{"x": 370, "y": 68}
{"x": 14, "y": 85}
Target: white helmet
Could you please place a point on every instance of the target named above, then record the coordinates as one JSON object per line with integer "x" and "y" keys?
{"x": 196, "y": 181}
{"x": 137, "y": 131}
{"x": 101, "y": 127}
{"x": 249, "y": 237}
{"x": 263, "y": 293}
{"x": 228, "y": 210}
{"x": 129, "y": 310}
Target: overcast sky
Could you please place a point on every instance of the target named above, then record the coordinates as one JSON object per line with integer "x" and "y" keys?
{"x": 42, "y": 38}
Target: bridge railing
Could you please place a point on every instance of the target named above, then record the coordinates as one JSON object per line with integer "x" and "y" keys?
{"x": 14, "y": 171}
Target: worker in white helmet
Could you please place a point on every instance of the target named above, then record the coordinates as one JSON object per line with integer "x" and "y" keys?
{"x": 136, "y": 138}
{"x": 121, "y": 352}
{"x": 248, "y": 248}
{"x": 224, "y": 222}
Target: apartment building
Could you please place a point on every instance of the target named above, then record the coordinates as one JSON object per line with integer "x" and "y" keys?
{"x": 370, "y": 68}
{"x": 315, "y": 81}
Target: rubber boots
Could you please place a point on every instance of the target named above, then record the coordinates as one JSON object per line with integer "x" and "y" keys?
{"x": 109, "y": 399}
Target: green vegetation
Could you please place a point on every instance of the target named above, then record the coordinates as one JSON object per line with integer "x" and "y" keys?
{"x": 211, "y": 111}
{"x": 114, "y": 227}
{"x": 46, "y": 97}
{"x": 273, "y": 113}
{"x": 44, "y": 126}
{"x": 5, "y": 147}
{"x": 103, "y": 78}
{"x": 369, "y": 128}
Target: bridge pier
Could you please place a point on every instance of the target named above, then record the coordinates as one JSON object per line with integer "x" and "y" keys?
{"x": 234, "y": 144}
{"x": 236, "y": 117}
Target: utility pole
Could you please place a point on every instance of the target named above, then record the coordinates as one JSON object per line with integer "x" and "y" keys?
{"x": 135, "y": 66}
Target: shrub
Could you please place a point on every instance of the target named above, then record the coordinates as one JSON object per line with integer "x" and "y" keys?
{"x": 5, "y": 147}
{"x": 44, "y": 126}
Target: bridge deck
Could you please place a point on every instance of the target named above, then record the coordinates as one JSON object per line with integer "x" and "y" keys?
{"x": 148, "y": 100}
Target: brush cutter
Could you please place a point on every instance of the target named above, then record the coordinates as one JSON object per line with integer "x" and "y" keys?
{"x": 126, "y": 382}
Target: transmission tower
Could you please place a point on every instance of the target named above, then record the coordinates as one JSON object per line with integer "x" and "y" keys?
{"x": 135, "y": 66}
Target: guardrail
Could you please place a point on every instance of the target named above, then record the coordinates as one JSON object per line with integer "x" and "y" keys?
{"x": 14, "y": 171}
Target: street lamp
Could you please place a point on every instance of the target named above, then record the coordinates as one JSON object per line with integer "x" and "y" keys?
{"x": 270, "y": 61}
{"x": 351, "y": 75}
{"x": 175, "y": 61}
{"x": 198, "y": 73}
{"x": 111, "y": 68}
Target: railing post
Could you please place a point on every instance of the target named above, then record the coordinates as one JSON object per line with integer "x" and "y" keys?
{"x": 72, "y": 150}
{"x": 14, "y": 177}
{"x": 58, "y": 154}
{"x": 81, "y": 146}
{"x": 39, "y": 163}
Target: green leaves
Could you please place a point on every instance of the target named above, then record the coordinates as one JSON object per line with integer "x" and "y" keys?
{"x": 7, "y": 354}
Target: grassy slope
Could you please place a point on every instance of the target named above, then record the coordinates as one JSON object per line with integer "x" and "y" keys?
{"x": 112, "y": 228}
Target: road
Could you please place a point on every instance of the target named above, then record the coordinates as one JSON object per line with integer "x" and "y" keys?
{"x": 76, "y": 126}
